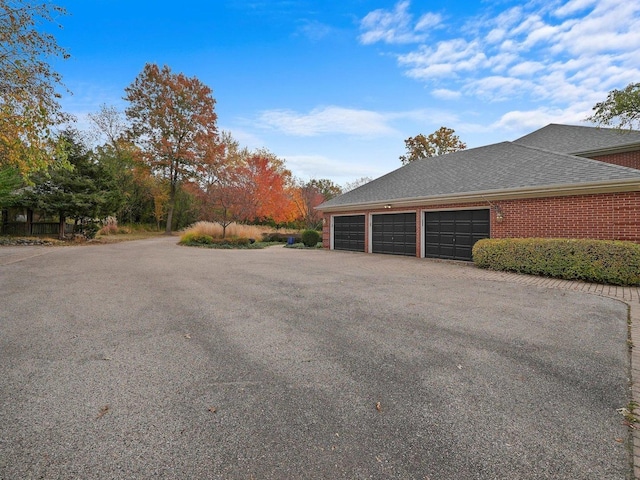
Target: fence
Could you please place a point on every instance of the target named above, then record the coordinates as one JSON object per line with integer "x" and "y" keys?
{"x": 37, "y": 228}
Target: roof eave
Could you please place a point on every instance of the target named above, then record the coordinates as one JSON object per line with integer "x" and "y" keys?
{"x": 608, "y": 151}
{"x": 613, "y": 186}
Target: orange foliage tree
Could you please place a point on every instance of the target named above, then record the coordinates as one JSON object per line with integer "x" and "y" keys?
{"x": 262, "y": 182}
{"x": 306, "y": 197}
{"x": 173, "y": 122}
{"x": 236, "y": 185}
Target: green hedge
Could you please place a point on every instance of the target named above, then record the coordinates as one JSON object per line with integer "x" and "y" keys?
{"x": 195, "y": 239}
{"x": 281, "y": 237}
{"x": 599, "y": 261}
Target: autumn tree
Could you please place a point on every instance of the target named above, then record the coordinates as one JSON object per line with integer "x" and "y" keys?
{"x": 442, "y": 141}
{"x": 173, "y": 122}
{"x": 262, "y": 178}
{"x": 306, "y": 196}
{"x": 326, "y": 187}
{"x": 29, "y": 107}
{"x": 216, "y": 189}
{"x": 116, "y": 153}
{"x": 144, "y": 194}
{"x": 621, "y": 108}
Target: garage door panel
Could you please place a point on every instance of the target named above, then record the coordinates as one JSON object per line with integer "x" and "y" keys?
{"x": 348, "y": 233}
{"x": 394, "y": 233}
{"x": 452, "y": 234}
{"x": 464, "y": 227}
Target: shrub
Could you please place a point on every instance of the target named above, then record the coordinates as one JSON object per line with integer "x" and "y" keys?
{"x": 89, "y": 229}
{"x": 192, "y": 238}
{"x": 310, "y": 238}
{"x": 281, "y": 237}
{"x": 109, "y": 229}
{"x": 198, "y": 239}
{"x": 600, "y": 261}
{"x": 241, "y": 231}
{"x": 232, "y": 241}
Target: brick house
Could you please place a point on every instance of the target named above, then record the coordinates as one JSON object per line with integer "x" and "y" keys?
{"x": 560, "y": 181}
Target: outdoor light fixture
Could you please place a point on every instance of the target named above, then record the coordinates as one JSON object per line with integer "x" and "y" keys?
{"x": 499, "y": 214}
{"x": 387, "y": 206}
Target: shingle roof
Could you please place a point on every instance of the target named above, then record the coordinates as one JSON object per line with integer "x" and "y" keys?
{"x": 580, "y": 140}
{"x": 499, "y": 167}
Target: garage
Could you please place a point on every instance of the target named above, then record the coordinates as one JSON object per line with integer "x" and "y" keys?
{"x": 348, "y": 233}
{"x": 394, "y": 233}
{"x": 561, "y": 181}
{"x": 451, "y": 234}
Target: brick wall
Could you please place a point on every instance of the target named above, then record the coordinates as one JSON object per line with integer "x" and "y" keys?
{"x": 627, "y": 159}
{"x": 610, "y": 216}
{"x": 613, "y": 216}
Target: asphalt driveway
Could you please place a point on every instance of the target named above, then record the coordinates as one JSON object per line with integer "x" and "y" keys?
{"x": 150, "y": 360}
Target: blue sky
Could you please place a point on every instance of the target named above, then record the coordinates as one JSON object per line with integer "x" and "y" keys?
{"x": 334, "y": 87}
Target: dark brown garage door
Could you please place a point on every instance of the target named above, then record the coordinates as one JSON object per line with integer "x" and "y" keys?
{"x": 348, "y": 233}
{"x": 452, "y": 234}
{"x": 394, "y": 233}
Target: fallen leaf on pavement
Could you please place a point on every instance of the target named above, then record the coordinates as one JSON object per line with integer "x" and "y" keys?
{"x": 103, "y": 411}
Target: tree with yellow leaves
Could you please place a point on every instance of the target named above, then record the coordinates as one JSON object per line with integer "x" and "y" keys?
{"x": 29, "y": 96}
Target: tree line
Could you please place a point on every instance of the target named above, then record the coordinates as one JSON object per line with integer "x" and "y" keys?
{"x": 162, "y": 160}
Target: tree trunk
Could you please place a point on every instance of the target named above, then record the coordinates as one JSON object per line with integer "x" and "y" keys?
{"x": 61, "y": 227}
{"x": 29, "y": 225}
{"x": 172, "y": 203}
{"x": 167, "y": 230}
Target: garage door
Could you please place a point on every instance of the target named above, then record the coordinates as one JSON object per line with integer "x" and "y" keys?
{"x": 348, "y": 233}
{"x": 452, "y": 234}
{"x": 394, "y": 233}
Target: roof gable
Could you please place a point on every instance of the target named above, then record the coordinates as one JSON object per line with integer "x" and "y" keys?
{"x": 493, "y": 168}
{"x": 581, "y": 140}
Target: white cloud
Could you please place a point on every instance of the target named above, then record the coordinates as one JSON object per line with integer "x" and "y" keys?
{"x": 526, "y": 69}
{"x": 496, "y": 35}
{"x": 447, "y": 58}
{"x": 315, "y": 30}
{"x": 446, "y": 94}
{"x": 563, "y": 55}
{"x": 245, "y": 138}
{"x": 327, "y": 120}
{"x": 428, "y": 21}
{"x": 395, "y": 26}
{"x": 495, "y": 88}
{"x": 573, "y": 6}
{"x": 339, "y": 170}
{"x": 526, "y": 121}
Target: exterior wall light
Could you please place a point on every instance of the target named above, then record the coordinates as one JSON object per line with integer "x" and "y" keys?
{"x": 387, "y": 206}
{"x": 499, "y": 214}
